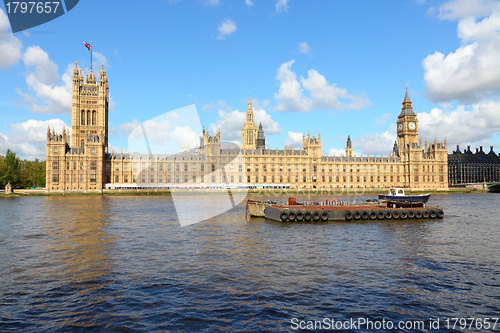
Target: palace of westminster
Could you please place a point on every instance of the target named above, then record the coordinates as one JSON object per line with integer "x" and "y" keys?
{"x": 81, "y": 161}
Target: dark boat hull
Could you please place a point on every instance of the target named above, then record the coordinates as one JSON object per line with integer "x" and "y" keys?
{"x": 406, "y": 200}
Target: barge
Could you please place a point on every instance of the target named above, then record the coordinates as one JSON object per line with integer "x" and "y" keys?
{"x": 333, "y": 210}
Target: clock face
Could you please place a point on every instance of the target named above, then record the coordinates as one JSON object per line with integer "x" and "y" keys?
{"x": 400, "y": 126}
{"x": 411, "y": 126}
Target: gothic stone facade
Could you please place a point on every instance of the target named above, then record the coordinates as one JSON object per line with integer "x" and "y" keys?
{"x": 84, "y": 164}
{"x": 79, "y": 164}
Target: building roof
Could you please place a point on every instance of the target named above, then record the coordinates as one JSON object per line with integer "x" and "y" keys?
{"x": 469, "y": 157}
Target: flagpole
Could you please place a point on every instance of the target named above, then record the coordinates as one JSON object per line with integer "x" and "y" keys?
{"x": 91, "y": 56}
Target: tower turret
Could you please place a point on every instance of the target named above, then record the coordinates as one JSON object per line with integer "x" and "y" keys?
{"x": 90, "y": 102}
{"x": 249, "y": 131}
{"x": 261, "y": 139}
{"x": 348, "y": 147}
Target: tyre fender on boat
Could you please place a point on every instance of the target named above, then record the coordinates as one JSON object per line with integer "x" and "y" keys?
{"x": 292, "y": 215}
{"x": 357, "y": 215}
{"x": 300, "y": 216}
{"x": 307, "y": 216}
{"x": 324, "y": 216}
{"x": 315, "y": 216}
{"x": 388, "y": 214}
{"x": 418, "y": 214}
{"x": 380, "y": 215}
{"x": 425, "y": 214}
{"x": 373, "y": 215}
{"x": 348, "y": 215}
{"x": 284, "y": 215}
{"x": 411, "y": 214}
{"x": 403, "y": 215}
{"x": 395, "y": 215}
{"x": 440, "y": 213}
{"x": 364, "y": 215}
{"x": 432, "y": 214}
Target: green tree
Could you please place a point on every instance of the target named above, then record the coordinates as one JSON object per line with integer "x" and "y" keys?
{"x": 39, "y": 173}
{"x": 12, "y": 172}
{"x": 3, "y": 171}
{"x": 32, "y": 173}
{"x": 21, "y": 173}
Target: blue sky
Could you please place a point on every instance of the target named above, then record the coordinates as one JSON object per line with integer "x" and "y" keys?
{"x": 338, "y": 67}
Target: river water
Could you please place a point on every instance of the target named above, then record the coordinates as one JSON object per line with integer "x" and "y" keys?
{"x": 124, "y": 264}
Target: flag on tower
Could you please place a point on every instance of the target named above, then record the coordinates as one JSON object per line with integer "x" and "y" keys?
{"x": 87, "y": 45}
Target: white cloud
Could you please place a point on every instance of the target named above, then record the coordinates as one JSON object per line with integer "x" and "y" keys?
{"x": 209, "y": 106}
{"x": 10, "y": 46}
{"x": 463, "y": 126}
{"x": 162, "y": 136}
{"x": 290, "y": 92}
{"x": 379, "y": 144}
{"x": 220, "y": 104}
{"x": 383, "y": 119}
{"x": 231, "y": 122}
{"x": 281, "y": 6}
{"x": 167, "y": 133}
{"x": 52, "y": 93}
{"x": 99, "y": 59}
{"x": 304, "y": 48}
{"x": 471, "y": 72}
{"x": 29, "y": 138}
{"x": 336, "y": 152}
{"x": 269, "y": 126}
{"x": 322, "y": 93}
{"x": 185, "y": 137}
{"x": 456, "y": 9}
{"x": 294, "y": 139}
{"x": 226, "y": 29}
{"x": 249, "y": 2}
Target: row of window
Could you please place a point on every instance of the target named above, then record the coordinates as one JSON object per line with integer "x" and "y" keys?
{"x": 93, "y": 167}
{"x": 74, "y": 178}
{"x": 74, "y": 165}
{"x": 459, "y": 174}
{"x": 159, "y": 167}
{"x": 315, "y": 168}
{"x": 272, "y": 179}
{"x": 88, "y": 118}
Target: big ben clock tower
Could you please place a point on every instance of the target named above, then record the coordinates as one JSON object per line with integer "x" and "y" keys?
{"x": 407, "y": 127}
{"x": 409, "y": 148}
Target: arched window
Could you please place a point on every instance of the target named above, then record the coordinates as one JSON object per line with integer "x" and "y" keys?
{"x": 88, "y": 117}
{"x": 83, "y": 118}
{"x": 94, "y": 116}
{"x": 81, "y": 143}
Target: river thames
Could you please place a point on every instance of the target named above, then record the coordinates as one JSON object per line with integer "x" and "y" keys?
{"x": 124, "y": 264}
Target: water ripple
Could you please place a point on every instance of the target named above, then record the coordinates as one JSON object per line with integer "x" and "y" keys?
{"x": 124, "y": 264}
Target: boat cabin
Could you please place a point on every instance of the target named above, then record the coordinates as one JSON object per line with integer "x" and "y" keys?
{"x": 396, "y": 191}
